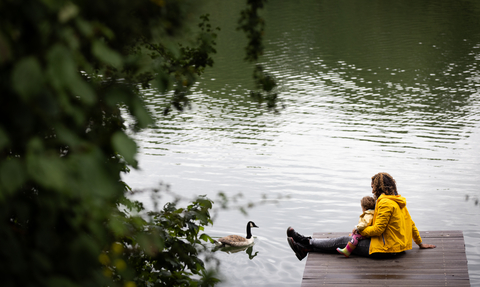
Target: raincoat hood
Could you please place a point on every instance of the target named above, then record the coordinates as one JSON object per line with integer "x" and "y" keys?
{"x": 400, "y": 200}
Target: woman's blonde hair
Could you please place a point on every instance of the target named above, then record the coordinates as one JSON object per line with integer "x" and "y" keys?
{"x": 383, "y": 183}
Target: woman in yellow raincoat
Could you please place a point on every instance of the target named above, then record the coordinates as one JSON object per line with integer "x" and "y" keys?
{"x": 391, "y": 232}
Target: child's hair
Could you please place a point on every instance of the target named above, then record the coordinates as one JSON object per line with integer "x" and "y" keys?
{"x": 368, "y": 202}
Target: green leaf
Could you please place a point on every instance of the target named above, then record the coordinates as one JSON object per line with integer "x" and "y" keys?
{"x": 66, "y": 136}
{"x": 206, "y": 238}
{"x": 117, "y": 226}
{"x": 162, "y": 81}
{"x": 125, "y": 146}
{"x": 67, "y": 12}
{"x": 27, "y": 78}
{"x": 62, "y": 68}
{"x": 106, "y": 55}
{"x": 48, "y": 171}
{"x": 46, "y": 168}
{"x": 12, "y": 175}
{"x": 3, "y": 138}
{"x": 85, "y": 27}
{"x": 114, "y": 97}
{"x": 84, "y": 91}
{"x": 141, "y": 113}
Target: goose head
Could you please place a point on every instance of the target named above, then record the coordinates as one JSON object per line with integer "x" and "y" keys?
{"x": 250, "y": 224}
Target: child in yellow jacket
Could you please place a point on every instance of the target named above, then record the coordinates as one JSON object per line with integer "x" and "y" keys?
{"x": 368, "y": 207}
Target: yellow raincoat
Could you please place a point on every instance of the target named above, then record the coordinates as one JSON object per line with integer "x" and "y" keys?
{"x": 365, "y": 219}
{"x": 392, "y": 227}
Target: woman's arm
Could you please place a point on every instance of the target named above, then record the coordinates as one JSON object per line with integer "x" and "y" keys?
{"x": 361, "y": 225}
{"x": 416, "y": 234}
{"x": 418, "y": 239}
{"x": 364, "y": 222}
{"x": 382, "y": 217}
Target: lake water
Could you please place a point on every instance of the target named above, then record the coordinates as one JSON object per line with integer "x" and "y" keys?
{"x": 367, "y": 86}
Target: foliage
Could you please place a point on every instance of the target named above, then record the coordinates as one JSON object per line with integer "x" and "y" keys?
{"x": 254, "y": 27}
{"x": 163, "y": 251}
{"x": 68, "y": 70}
{"x": 181, "y": 68}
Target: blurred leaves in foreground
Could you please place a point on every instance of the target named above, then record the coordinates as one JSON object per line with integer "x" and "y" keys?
{"x": 68, "y": 70}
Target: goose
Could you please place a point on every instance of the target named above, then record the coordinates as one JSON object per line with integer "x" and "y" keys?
{"x": 237, "y": 240}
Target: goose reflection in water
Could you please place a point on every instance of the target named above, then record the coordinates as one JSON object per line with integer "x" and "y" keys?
{"x": 233, "y": 249}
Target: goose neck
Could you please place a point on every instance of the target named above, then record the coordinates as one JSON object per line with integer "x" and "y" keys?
{"x": 249, "y": 232}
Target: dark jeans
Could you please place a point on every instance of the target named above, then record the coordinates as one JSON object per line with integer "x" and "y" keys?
{"x": 331, "y": 245}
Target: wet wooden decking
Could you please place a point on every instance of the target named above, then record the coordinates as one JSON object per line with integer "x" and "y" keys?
{"x": 445, "y": 265}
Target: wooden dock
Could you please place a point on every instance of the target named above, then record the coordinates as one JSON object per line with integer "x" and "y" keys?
{"x": 445, "y": 265}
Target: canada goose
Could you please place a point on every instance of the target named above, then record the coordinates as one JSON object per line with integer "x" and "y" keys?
{"x": 237, "y": 240}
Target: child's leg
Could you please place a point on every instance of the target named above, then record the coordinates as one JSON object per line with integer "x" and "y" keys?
{"x": 352, "y": 244}
{"x": 356, "y": 238}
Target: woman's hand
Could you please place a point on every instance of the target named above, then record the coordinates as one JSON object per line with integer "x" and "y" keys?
{"x": 426, "y": 246}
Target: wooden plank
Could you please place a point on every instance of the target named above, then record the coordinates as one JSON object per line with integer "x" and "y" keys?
{"x": 445, "y": 265}
{"x": 406, "y": 274}
{"x": 380, "y": 262}
{"x": 384, "y": 283}
{"x": 417, "y": 277}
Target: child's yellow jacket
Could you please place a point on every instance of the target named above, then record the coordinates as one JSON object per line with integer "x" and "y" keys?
{"x": 392, "y": 227}
{"x": 365, "y": 219}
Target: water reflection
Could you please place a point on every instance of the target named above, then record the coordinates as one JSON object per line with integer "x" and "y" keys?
{"x": 232, "y": 249}
{"x": 368, "y": 86}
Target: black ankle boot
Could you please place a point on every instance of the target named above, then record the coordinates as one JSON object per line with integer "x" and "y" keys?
{"x": 300, "y": 250}
{"x": 298, "y": 238}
